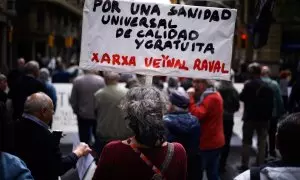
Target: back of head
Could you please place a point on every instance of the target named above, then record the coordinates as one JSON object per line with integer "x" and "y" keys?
{"x": 287, "y": 133}
{"x": 32, "y": 68}
{"x": 265, "y": 71}
{"x": 131, "y": 83}
{"x": 36, "y": 102}
{"x": 44, "y": 74}
{"x": 179, "y": 99}
{"x": 144, "y": 107}
{"x": 111, "y": 77}
{"x": 173, "y": 82}
{"x": 254, "y": 69}
{"x": 39, "y": 105}
{"x": 207, "y": 82}
{"x": 21, "y": 62}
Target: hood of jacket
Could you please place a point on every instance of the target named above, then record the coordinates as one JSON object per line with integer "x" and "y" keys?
{"x": 182, "y": 123}
{"x": 281, "y": 173}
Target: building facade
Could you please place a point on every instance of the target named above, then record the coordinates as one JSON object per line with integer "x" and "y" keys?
{"x": 4, "y": 24}
{"x": 46, "y": 28}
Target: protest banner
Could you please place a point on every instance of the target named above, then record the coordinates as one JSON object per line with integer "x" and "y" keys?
{"x": 157, "y": 39}
{"x": 64, "y": 119}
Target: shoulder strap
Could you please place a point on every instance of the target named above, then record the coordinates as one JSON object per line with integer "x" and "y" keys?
{"x": 164, "y": 165}
{"x": 168, "y": 158}
{"x": 255, "y": 173}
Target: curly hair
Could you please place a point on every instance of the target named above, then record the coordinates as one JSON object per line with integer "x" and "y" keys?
{"x": 144, "y": 107}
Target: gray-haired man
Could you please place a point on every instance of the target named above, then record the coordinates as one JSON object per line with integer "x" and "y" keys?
{"x": 82, "y": 101}
{"x": 37, "y": 146}
{"x": 110, "y": 122}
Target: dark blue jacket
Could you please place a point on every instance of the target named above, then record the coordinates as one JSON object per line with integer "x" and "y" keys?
{"x": 183, "y": 128}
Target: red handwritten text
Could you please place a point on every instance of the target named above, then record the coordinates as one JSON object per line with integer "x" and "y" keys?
{"x": 166, "y": 62}
{"x": 114, "y": 59}
{"x": 211, "y": 66}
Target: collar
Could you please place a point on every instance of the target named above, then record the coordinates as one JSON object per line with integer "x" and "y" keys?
{"x": 207, "y": 92}
{"x": 36, "y": 120}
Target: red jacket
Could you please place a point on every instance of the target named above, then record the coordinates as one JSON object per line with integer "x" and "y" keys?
{"x": 210, "y": 115}
{"x": 119, "y": 161}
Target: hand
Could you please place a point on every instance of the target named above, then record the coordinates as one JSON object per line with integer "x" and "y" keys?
{"x": 82, "y": 150}
{"x": 191, "y": 91}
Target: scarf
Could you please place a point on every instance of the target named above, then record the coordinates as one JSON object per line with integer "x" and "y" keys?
{"x": 207, "y": 92}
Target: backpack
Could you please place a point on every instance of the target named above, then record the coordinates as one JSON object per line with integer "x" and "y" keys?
{"x": 263, "y": 102}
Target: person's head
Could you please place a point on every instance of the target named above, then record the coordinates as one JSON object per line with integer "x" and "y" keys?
{"x": 32, "y": 68}
{"x": 21, "y": 63}
{"x": 40, "y": 105}
{"x": 265, "y": 71}
{"x": 285, "y": 74}
{"x": 179, "y": 101}
{"x": 201, "y": 85}
{"x": 255, "y": 70}
{"x": 173, "y": 82}
{"x": 144, "y": 108}
{"x": 44, "y": 74}
{"x": 73, "y": 62}
{"x": 90, "y": 72}
{"x": 3, "y": 82}
{"x": 111, "y": 77}
{"x": 288, "y": 130}
{"x": 131, "y": 83}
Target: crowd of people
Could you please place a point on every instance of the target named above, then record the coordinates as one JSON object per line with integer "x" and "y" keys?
{"x": 137, "y": 131}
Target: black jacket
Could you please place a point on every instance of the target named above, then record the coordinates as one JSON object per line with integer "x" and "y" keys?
{"x": 37, "y": 147}
{"x": 25, "y": 87}
{"x": 231, "y": 101}
{"x": 258, "y": 99}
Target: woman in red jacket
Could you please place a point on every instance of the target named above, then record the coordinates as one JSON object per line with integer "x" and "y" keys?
{"x": 146, "y": 155}
{"x": 207, "y": 105}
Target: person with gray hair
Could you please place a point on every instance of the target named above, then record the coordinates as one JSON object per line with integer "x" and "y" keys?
{"x": 138, "y": 157}
{"x": 110, "y": 123}
{"x": 32, "y": 69}
{"x": 37, "y": 146}
{"x": 184, "y": 128}
{"x": 50, "y": 89}
{"x": 278, "y": 109}
{"x": 82, "y": 102}
{"x": 28, "y": 84}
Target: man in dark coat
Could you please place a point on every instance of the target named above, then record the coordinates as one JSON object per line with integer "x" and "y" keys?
{"x": 37, "y": 146}
{"x": 26, "y": 85}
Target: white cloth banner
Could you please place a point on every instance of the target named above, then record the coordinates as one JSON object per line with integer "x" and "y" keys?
{"x": 157, "y": 39}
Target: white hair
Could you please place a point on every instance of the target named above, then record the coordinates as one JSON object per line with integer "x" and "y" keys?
{"x": 2, "y": 77}
{"x": 44, "y": 74}
{"x": 36, "y": 102}
{"x": 111, "y": 76}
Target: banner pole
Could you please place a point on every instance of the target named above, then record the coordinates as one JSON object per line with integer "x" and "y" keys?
{"x": 149, "y": 80}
